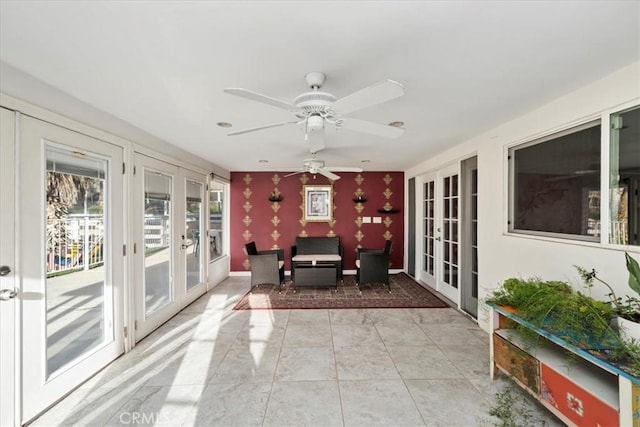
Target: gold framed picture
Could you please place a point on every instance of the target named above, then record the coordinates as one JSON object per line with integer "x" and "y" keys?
{"x": 317, "y": 201}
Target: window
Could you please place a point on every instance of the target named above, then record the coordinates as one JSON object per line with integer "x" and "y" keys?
{"x": 624, "y": 182}
{"x": 216, "y": 218}
{"x": 555, "y": 184}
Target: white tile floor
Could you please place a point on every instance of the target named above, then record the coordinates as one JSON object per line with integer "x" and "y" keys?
{"x": 210, "y": 366}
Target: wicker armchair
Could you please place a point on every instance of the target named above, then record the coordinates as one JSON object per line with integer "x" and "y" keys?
{"x": 267, "y": 267}
{"x": 372, "y": 266}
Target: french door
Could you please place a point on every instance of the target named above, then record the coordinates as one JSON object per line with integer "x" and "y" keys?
{"x": 469, "y": 275}
{"x": 71, "y": 252}
{"x": 8, "y": 300}
{"x": 194, "y": 245}
{"x": 441, "y": 225}
{"x": 170, "y": 251}
{"x": 155, "y": 247}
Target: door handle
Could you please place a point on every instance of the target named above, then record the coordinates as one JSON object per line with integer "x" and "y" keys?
{"x": 7, "y": 294}
{"x": 4, "y": 270}
{"x": 438, "y": 238}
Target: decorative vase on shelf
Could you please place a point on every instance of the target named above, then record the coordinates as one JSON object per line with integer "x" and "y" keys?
{"x": 388, "y": 208}
{"x": 275, "y": 197}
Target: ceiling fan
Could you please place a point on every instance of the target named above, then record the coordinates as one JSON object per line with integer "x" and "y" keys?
{"x": 315, "y": 108}
{"x": 315, "y": 166}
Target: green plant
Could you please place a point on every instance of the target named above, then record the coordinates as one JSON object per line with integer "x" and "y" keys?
{"x": 518, "y": 293}
{"x": 513, "y": 408}
{"x": 626, "y": 355}
{"x": 556, "y": 308}
{"x": 629, "y": 307}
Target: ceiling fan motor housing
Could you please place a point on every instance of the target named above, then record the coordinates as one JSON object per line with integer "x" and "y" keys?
{"x": 315, "y": 79}
{"x": 314, "y": 100}
{"x": 313, "y": 164}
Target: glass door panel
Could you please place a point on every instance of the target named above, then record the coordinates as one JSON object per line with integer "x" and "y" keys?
{"x": 78, "y": 300}
{"x": 216, "y": 199}
{"x": 157, "y": 241}
{"x": 193, "y": 252}
{"x": 429, "y": 262}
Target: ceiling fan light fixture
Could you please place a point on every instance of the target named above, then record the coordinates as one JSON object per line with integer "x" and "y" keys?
{"x": 224, "y": 124}
{"x": 315, "y": 123}
{"x": 396, "y": 124}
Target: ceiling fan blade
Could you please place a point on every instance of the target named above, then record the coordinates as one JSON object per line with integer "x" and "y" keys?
{"x": 332, "y": 176}
{"x": 254, "y": 96}
{"x": 372, "y": 128}
{"x": 294, "y": 173}
{"x": 344, "y": 169}
{"x": 377, "y": 93}
{"x": 272, "y": 125}
{"x": 315, "y": 138}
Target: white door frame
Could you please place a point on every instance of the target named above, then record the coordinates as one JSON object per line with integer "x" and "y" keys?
{"x": 423, "y": 232}
{"x": 39, "y": 389}
{"x": 451, "y": 292}
{"x": 144, "y": 324}
{"x": 436, "y": 280}
{"x": 190, "y": 295}
{"x": 179, "y": 296}
{"x": 9, "y": 368}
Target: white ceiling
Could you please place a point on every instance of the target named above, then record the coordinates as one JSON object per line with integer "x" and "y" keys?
{"x": 466, "y": 66}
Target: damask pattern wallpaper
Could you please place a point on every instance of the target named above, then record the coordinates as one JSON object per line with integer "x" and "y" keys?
{"x": 267, "y": 208}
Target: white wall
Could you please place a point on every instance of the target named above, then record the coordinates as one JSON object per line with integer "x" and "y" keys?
{"x": 503, "y": 255}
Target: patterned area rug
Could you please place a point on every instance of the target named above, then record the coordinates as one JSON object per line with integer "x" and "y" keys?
{"x": 405, "y": 293}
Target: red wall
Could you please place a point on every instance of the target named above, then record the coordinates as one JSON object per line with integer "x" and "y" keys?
{"x": 276, "y": 224}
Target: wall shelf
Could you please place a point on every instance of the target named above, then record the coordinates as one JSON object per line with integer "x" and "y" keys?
{"x": 360, "y": 200}
{"x": 388, "y": 211}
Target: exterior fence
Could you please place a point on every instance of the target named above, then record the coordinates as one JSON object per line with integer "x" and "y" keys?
{"x": 156, "y": 231}
{"x": 76, "y": 242}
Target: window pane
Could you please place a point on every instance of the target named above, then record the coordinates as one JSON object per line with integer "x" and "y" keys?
{"x": 454, "y": 276}
{"x": 192, "y": 251}
{"x": 454, "y": 185}
{"x": 624, "y": 187}
{"x": 454, "y": 254}
{"x": 454, "y": 231}
{"x": 555, "y": 182}
{"x": 157, "y": 240}
{"x": 216, "y": 199}
{"x": 77, "y": 297}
